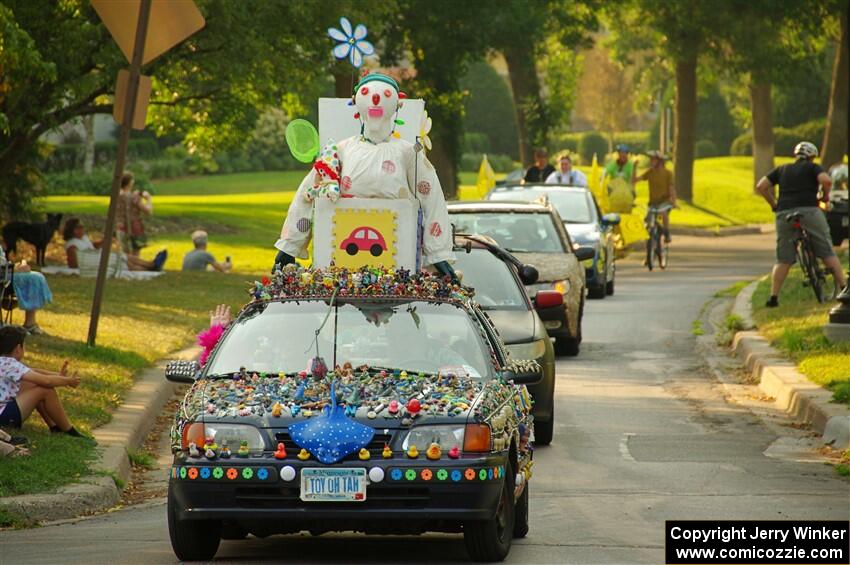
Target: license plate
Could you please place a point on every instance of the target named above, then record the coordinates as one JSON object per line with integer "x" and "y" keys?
{"x": 333, "y": 485}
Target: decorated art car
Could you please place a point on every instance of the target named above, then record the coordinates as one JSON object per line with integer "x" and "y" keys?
{"x": 366, "y": 400}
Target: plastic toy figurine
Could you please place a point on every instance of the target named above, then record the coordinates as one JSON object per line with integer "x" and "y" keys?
{"x": 243, "y": 450}
{"x": 364, "y": 454}
{"x": 225, "y": 451}
{"x": 433, "y": 452}
{"x": 412, "y": 452}
{"x": 374, "y": 164}
{"x": 303, "y": 455}
{"x": 454, "y": 453}
{"x": 281, "y": 452}
{"x": 387, "y": 453}
{"x": 193, "y": 450}
{"x": 277, "y": 409}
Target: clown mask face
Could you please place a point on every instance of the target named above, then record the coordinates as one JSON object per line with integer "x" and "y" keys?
{"x": 377, "y": 103}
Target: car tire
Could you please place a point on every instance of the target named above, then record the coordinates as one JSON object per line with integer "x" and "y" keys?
{"x": 597, "y": 292}
{"x": 521, "y": 514}
{"x": 570, "y": 346}
{"x": 351, "y": 249}
{"x": 192, "y": 540}
{"x": 490, "y": 540}
{"x": 543, "y": 431}
{"x": 376, "y": 250}
{"x": 609, "y": 287}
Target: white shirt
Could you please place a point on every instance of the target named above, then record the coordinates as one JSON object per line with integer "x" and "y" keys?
{"x": 391, "y": 169}
{"x": 81, "y": 243}
{"x": 572, "y": 178}
{"x": 11, "y": 372}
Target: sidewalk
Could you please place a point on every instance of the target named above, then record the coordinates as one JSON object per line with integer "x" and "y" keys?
{"x": 130, "y": 423}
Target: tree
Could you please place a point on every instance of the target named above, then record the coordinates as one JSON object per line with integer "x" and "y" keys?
{"x": 519, "y": 30}
{"x": 835, "y": 140}
{"x": 489, "y": 109}
{"x": 60, "y": 64}
{"x": 607, "y": 97}
{"x": 678, "y": 32}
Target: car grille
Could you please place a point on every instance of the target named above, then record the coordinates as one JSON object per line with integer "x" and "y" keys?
{"x": 289, "y": 497}
{"x": 375, "y": 447}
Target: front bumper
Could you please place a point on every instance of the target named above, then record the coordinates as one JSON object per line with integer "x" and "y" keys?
{"x": 418, "y": 494}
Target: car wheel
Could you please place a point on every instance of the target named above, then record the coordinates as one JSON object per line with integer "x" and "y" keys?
{"x": 351, "y": 249}
{"x": 521, "y": 520}
{"x": 570, "y": 346}
{"x": 376, "y": 250}
{"x": 192, "y": 540}
{"x": 543, "y": 431}
{"x": 609, "y": 287}
{"x": 490, "y": 540}
{"x": 597, "y": 292}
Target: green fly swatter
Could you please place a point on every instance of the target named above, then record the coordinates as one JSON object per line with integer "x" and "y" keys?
{"x": 303, "y": 140}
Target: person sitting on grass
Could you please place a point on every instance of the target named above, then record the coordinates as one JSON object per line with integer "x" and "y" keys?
{"x": 31, "y": 289}
{"x": 23, "y": 389}
{"x": 76, "y": 240}
{"x": 199, "y": 258}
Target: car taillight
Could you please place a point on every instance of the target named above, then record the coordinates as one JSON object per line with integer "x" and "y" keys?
{"x": 476, "y": 438}
{"x": 193, "y": 432}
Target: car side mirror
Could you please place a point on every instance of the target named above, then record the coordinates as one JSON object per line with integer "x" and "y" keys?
{"x": 182, "y": 371}
{"x": 584, "y": 253}
{"x": 611, "y": 219}
{"x": 548, "y": 299}
{"x": 523, "y": 372}
{"x": 528, "y": 274}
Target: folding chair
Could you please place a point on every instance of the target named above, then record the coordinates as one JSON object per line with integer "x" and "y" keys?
{"x": 8, "y": 299}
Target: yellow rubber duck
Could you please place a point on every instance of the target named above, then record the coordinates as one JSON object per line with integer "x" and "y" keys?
{"x": 364, "y": 454}
{"x": 433, "y": 452}
{"x": 277, "y": 409}
{"x": 412, "y": 452}
{"x": 303, "y": 455}
{"x": 387, "y": 452}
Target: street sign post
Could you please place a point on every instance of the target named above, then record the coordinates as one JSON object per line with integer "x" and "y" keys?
{"x": 143, "y": 29}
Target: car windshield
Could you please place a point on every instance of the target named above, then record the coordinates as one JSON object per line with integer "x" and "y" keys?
{"x": 494, "y": 284}
{"x": 280, "y": 337}
{"x": 521, "y": 232}
{"x": 574, "y": 206}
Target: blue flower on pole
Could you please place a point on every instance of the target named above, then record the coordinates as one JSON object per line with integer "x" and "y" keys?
{"x": 352, "y": 42}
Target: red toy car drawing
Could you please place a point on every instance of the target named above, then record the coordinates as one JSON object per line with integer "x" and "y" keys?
{"x": 364, "y": 239}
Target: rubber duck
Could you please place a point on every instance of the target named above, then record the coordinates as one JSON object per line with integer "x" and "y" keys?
{"x": 454, "y": 453}
{"x": 364, "y": 454}
{"x": 412, "y": 452}
{"x": 281, "y": 452}
{"x": 243, "y": 450}
{"x": 414, "y": 406}
{"x": 193, "y": 450}
{"x": 209, "y": 443}
{"x": 393, "y": 407}
{"x": 433, "y": 452}
{"x": 225, "y": 451}
{"x": 277, "y": 410}
{"x": 387, "y": 453}
{"x": 303, "y": 455}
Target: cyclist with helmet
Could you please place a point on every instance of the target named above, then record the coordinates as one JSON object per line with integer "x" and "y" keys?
{"x": 798, "y": 194}
{"x": 661, "y": 190}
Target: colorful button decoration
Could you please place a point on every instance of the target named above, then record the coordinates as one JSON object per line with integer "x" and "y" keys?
{"x": 426, "y": 474}
{"x": 469, "y": 474}
{"x": 232, "y": 474}
{"x": 193, "y": 473}
{"x": 396, "y": 474}
{"x": 482, "y": 474}
{"x": 205, "y": 473}
{"x": 410, "y": 474}
{"x": 247, "y": 473}
{"x": 456, "y": 475}
{"x": 442, "y": 475}
{"x": 182, "y": 472}
{"x": 263, "y": 474}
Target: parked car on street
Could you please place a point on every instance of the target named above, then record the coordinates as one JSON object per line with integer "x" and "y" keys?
{"x": 535, "y": 234}
{"x": 361, "y": 400}
{"x": 585, "y": 223}
{"x": 837, "y": 209}
{"x": 497, "y": 278}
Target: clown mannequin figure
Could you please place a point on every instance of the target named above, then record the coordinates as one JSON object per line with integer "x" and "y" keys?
{"x": 374, "y": 164}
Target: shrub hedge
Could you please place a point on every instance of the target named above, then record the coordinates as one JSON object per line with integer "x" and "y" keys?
{"x": 784, "y": 139}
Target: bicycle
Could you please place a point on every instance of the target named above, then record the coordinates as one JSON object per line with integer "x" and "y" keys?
{"x": 656, "y": 248}
{"x": 813, "y": 271}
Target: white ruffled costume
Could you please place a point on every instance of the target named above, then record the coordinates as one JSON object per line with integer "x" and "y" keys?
{"x": 388, "y": 168}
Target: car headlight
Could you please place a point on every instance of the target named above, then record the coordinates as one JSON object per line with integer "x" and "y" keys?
{"x": 532, "y": 350}
{"x": 561, "y": 286}
{"x": 423, "y": 436}
{"x": 233, "y": 434}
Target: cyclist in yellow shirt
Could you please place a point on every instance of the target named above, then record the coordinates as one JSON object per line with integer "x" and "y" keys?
{"x": 661, "y": 189}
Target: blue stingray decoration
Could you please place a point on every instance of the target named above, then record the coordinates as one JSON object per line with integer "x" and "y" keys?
{"x": 332, "y": 436}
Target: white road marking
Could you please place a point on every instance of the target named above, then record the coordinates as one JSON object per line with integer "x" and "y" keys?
{"x": 624, "y": 446}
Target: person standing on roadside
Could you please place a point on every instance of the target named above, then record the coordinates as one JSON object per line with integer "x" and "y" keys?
{"x": 567, "y": 174}
{"x": 798, "y": 194}
{"x": 661, "y": 190}
{"x": 132, "y": 205}
{"x": 541, "y": 169}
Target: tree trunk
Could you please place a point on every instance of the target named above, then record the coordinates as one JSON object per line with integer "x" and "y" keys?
{"x": 684, "y": 127}
{"x": 343, "y": 87}
{"x": 446, "y": 167}
{"x": 525, "y": 86}
{"x": 88, "y": 160}
{"x": 835, "y": 139}
{"x": 762, "y": 110}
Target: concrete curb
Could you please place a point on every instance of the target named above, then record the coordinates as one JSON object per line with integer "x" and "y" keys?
{"x": 128, "y": 428}
{"x": 723, "y": 231}
{"x": 779, "y": 378}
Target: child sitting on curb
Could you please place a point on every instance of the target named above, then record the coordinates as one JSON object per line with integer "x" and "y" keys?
{"x": 23, "y": 390}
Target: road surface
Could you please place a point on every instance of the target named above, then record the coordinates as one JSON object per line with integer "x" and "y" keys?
{"x": 642, "y": 436}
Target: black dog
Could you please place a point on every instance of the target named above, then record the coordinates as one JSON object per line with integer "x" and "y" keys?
{"x": 38, "y": 234}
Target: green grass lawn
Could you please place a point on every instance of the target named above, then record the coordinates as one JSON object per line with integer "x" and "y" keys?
{"x": 796, "y": 329}
{"x": 141, "y": 322}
